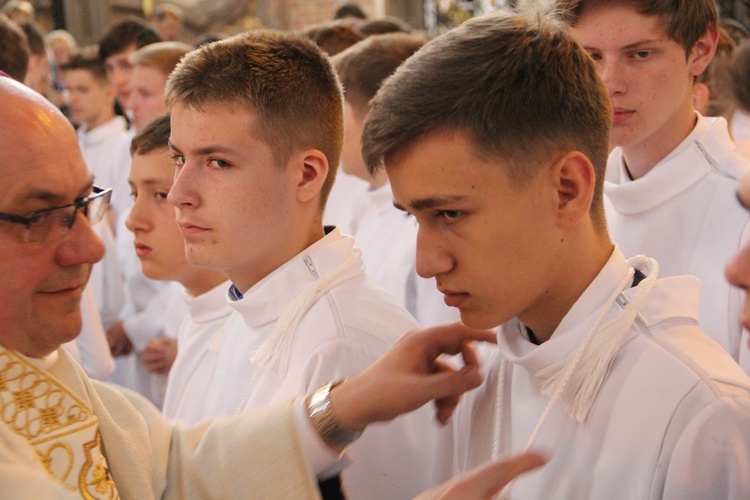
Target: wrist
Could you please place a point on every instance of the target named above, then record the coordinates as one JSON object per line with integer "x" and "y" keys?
{"x": 320, "y": 410}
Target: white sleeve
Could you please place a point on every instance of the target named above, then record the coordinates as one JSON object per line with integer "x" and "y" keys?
{"x": 324, "y": 462}
{"x": 106, "y": 277}
{"x": 95, "y": 356}
{"x": 710, "y": 459}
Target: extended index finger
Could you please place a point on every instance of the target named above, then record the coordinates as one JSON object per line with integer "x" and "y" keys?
{"x": 450, "y": 338}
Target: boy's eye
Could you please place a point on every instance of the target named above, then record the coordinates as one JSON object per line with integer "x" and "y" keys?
{"x": 178, "y": 160}
{"x": 219, "y": 163}
{"x": 450, "y": 215}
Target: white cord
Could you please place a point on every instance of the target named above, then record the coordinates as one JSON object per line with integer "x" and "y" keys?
{"x": 570, "y": 367}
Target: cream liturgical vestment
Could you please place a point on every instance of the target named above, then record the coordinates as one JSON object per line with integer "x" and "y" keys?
{"x": 59, "y": 425}
{"x": 388, "y": 241}
{"x": 336, "y": 322}
{"x": 65, "y": 436}
{"x": 684, "y": 213}
{"x": 670, "y": 420}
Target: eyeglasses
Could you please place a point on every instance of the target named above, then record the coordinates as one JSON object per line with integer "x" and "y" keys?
{"x": 46, "y": 226}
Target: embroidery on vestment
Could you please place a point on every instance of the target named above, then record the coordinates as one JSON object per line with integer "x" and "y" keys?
{"x": 61, "y": 427}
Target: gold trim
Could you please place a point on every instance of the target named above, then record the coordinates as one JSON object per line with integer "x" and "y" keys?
{"x": 101, "y": 480}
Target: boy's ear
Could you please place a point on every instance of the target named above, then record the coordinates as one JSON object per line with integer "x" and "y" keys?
{"x": 703, "y": 51}
{"x": 574, "y": 179}
{"x": 701, "y": 97}
{"x": 311, "y": 175}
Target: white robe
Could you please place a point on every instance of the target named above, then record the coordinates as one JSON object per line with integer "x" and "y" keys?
{"x": 672, "y": 419}
{"x": 388, "y": 240}
{"x": 90, "y": 349}
{"x": 345, "y": 203}
{"x": 102, "y": 150}
{"x": 345, "y": 331}
{"x": 106, "y": 278}
{"x": 684, "y": 213}
{"x": 150, "y": 313}
{"x": 199, "y": 341}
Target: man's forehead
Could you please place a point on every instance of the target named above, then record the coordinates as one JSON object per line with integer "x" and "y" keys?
{"x": 40, "y": 150}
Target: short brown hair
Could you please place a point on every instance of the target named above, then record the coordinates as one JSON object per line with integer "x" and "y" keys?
{"x": 283, "y": 78}
{"x": 155, "y": 135}
{"x": 520, "y": 87}
{"x": 126, "y": 32}
{"x": 162, "y": 56}
{"x": 87, "y": 59}
{"x": 334, "y": 36}
{"x": 685, "y": 20}
{"x": 363, "y": 67}
{"x": 15, "y": 53}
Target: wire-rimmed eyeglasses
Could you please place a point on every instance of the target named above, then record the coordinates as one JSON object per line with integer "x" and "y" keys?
{"x": 45, "y": 226}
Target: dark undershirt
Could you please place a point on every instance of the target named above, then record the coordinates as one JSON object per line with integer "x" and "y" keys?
{"x": 637, "y": 278}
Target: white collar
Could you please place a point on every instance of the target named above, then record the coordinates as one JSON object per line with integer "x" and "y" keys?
{"x": 208, "y": 306}
{"x": 702, "y": 151}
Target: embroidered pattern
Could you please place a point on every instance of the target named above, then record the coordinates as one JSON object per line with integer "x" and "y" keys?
{"x": 61, "y": 427}
{"x": 34, "y": 405}
{"x": 94, "y": 480}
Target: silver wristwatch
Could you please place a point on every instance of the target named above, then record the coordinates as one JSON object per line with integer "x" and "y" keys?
{"x": 321, "y": 415}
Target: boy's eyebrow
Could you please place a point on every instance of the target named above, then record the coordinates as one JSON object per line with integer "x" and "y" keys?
{"x": 641, "y": 43}
{"x": 631, "y": 46}
{"x": 151, "y": 181}
{"x": 207, "y": 150}
{"x": 428, "y": 203}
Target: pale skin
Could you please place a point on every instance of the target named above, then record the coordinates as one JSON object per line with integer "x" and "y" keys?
{"x": 498, "y": 250}
{"x": 238, "y": 210}
{"x": 649, "y": 77}
{"x": 146, "y": 98}
{"x": 91, "y": 99}
{"x": 159, "y": 244}
{"x": 119, "y": 70}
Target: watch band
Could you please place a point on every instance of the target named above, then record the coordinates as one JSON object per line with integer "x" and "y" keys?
{"x": 321, "y": 415}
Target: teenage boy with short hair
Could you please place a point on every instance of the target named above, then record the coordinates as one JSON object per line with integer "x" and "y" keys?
{"x": 672, "y": 172}
{"x": 257, "y": 130}
{"x": 101, "y": 134}
{"x": 122, "y": 39}
{"x": 161, "y": 250}
{"x": 494, "y": 136}
{"x": 387, "y": 239}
